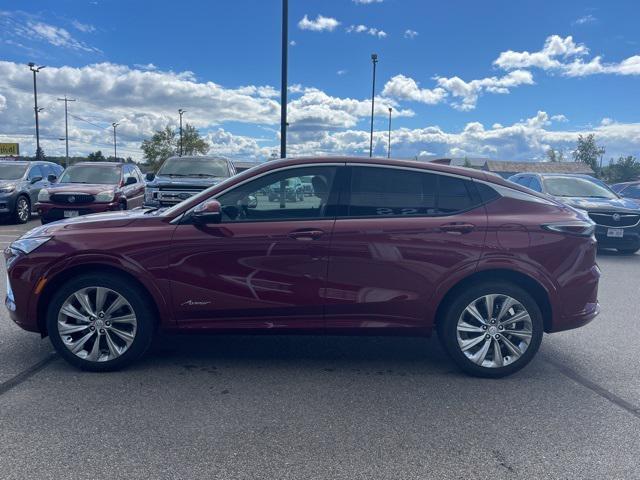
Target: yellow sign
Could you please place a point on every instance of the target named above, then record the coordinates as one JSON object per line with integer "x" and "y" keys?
{"x": 9, "y": 149}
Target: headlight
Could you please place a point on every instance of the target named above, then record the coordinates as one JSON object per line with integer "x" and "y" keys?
{"x": 106, "y": 196}
{"x": 28, "y": 245}
{"x": 149, "y": 195}
{"x": 43, "y": 196}
{"x": 7, "y": 188}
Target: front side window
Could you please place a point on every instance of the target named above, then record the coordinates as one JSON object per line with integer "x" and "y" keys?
{"x": 535, "y": 185}
{"x": 35, "y": 172}
{"x": 96, "y": 174}
{"x": 632, "y": 192}
{"x": 280, "y": 196}
{"x": 395, "y": 192}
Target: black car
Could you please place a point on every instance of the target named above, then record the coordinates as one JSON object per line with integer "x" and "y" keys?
{"x": 20, "y": 183}
{"x": 181, "y": 177}
{"x": 617, "y": 219}
{"x": 628, "y": 190}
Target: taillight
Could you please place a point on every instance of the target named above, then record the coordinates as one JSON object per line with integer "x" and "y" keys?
{"x": 579, "y": 228}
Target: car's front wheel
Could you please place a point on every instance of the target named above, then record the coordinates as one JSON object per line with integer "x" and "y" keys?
{"x": 492, "y": 329}
{"x": 22, "y": 212}
{"x": 100, "y": 322}
{"x": 627, "y": 251}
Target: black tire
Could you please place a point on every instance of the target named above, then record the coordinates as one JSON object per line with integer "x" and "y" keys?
{"x": 17, "y": 216}
{"x": 122, "y": 206}
{"x": 448, "y": 334}
{"x": 627, "y": 251}
{"x": 132, "y": 293}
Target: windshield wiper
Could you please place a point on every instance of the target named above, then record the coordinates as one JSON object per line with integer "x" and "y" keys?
{"x": 173, "y": 174}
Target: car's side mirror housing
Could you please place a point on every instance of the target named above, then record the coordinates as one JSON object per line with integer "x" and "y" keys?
{"x": 52, "y": 178}
{"x": 209, "y": 211}
{"x": 35, "y": 180}
{"x": 150, "y": 176}
{"x": 130, "y": 181}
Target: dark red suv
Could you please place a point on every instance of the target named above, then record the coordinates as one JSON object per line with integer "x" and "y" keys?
{"x": 91, "y": 187}
{"x": 382, "y": 246}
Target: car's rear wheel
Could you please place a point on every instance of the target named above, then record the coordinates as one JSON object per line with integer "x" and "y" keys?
{"x": 492, "y": 329}
{"x": 100, "y": 322}
{"x": 22, "y": 211}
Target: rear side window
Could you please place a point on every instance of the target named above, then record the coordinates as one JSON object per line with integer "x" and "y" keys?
{"x": 379, "y": 191}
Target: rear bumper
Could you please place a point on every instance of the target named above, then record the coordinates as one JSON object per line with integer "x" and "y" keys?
{"x": 578, "y": 302}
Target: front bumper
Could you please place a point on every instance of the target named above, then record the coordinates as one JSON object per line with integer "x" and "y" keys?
{"x": 8, "y": 202}
{"x": 50, "y": 212}
{"x": 629, "y": 240}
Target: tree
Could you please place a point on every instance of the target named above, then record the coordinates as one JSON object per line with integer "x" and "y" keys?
{"x": 467, "y": 163}
{"x": 555, "y": 155}
{"x": 587, "y": 151}
{"x": 40, "y": 154}
{"x": 166, "y": 143}
{"x": 96, "y": 157}
{"x": 623, "y": 170}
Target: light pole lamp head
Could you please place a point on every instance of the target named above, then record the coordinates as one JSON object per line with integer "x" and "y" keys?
{"x": 374, "y": 57}
{"x": 390, "y": 109}
{"x": 114, "y": 125}
{"x": 181, "y": 111}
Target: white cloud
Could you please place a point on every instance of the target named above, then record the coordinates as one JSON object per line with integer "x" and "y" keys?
{"x": 559, "y": 118}
{"x": 293, "y": 43}
{"x": 368, "y": 30}
{"x": 406, "y": 88}
{"x": 341, "y": 72}
{"x": 584, "y": 20}
{"x": 30, "y": 27}
{"x": 320, "y": 24}
{"x": 566, "y": 57}
{"x": 367, "y": 2}
{"x": 410, "y": 33}
{"x": 83, "y": 27}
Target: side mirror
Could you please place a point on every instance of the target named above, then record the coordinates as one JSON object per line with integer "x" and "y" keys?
{"x": 35, "y": 180}
{"x": 150, "y": 176}
{"x": 207, "y": 212}
{"x": 52, "y": 178}
{"x": 131, "y": 181}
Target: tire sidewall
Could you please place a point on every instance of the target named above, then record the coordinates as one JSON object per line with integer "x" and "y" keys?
{"x": 144, "y": 329}
{"x": 447, "y": 328}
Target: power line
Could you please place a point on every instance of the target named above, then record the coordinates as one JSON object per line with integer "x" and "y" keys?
{"x": 87, "y": 121}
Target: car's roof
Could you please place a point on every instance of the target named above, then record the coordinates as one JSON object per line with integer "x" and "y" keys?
{"x": 199, "y": 157}
{"x": 633, "y": 182}
{"x": 99, "y": 164}
{"x": 572, "y": 175}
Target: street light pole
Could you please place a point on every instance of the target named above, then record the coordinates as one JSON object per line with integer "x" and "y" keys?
{"x": 283, "y": 84}
{"x": 374, "y": 60}
{"x": 35, "y": 69}
{"x": 66, "y": 127}
{"x": 115, "y": 150}
{"x": 180, "y": 112}
{"x": 389, "y": 147}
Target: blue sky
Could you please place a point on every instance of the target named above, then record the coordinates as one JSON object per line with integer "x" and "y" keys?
{"x": 497, "y": 79}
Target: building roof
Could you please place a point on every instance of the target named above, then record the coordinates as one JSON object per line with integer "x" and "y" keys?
{"x": 538, "y": 167}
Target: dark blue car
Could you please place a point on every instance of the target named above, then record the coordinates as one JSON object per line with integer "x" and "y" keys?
{"x": 617, "y": 219}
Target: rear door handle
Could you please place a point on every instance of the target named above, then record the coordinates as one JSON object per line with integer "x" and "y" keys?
{"x": 457, "y": 228}
{"x": 306, "y": 234}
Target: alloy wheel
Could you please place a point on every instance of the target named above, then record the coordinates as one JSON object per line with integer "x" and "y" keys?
{"x": 494, "y": 331}
{"x": 97, "y": 324}
{"x": 23, "y": 209}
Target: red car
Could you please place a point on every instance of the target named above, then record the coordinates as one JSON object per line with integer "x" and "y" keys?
{"x": 382, "y": 247}
{"x": 91, "y": 187}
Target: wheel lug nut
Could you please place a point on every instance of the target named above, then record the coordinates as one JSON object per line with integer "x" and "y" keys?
{"x": 92, "y": 328}
{"x": 101, "y": 315}
{"x": 493, "y": 322}
{"x": 484, "y": 327}
{"x": 500, "y": 327}
{"x": 497, "y": 336}
{"x": 487, "y": 336}
{"x": 102, "y": 330}
{"x": 107, "y": 323}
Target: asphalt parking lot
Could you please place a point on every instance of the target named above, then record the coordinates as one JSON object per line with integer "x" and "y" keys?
{"x": 336, "y": 407}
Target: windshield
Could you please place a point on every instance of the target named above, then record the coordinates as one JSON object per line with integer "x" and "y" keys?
{"x": 12, "y": 171}
{"x": 194, "y": 167}
{"x": 577, "y": 187}
{"x": 100, "y": 174}
{"x": 632, "y": 192}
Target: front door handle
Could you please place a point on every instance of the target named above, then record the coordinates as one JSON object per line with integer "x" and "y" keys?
{"x": 306, "y": 234}
{"x": 457, "y": 228}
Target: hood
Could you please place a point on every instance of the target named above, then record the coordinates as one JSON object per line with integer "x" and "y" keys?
{"x": 88, "y": 188}
{"x": 601, "y": 204}
{"x": 165, "y": 181}
{"x": 116, "y": 219}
